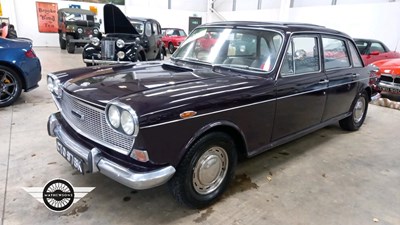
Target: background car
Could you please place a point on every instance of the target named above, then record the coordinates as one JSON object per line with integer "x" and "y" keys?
{"x": 20, "y": 69}
{"x": 374, "y": 50}
{"x": 172, "y": 38}
{"x": 127, "y": 39}
{"x": 388, "y": 75}
{"x": 75, "y": 27}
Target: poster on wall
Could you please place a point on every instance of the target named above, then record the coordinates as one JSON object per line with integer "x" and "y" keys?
{"x": 117, "y": 2}
{"x": 47, "y": 17}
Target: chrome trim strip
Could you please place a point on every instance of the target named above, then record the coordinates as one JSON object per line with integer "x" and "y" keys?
{"x": 96, "y": 162}
{"x": 210, "y": 113}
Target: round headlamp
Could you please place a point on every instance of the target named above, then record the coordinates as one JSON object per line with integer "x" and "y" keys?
{"x": 122, "y": 118}
{"x": 50, "y": 85}
{"x": 127, "y": 123}
{"x": 95, "y": 31}
{"x": 114, "y": 116}
{"x": 54, "y": 85}
{"x": 80, "y": 30}
{"x": 95, "y": 41}
{"x": 121, "y": 55}
{"x": 120, "y": 43}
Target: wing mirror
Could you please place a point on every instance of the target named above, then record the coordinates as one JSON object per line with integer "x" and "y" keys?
{"x": 374, "y": 53}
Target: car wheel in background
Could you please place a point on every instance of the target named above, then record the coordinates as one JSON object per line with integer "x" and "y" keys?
{"x": 171, "y": 48}
{"x": 205, "y": 171}
{"x": 10, "y": 86}
{"x": 63, "y": 43}
{"x": 356, "y": 119}
{"x": 160, "y": 55}
{"x": 70, "y": 45}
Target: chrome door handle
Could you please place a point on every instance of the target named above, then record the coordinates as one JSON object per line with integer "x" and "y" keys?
{"x": 355, "y": 75}
{"x": 323, "y": 81}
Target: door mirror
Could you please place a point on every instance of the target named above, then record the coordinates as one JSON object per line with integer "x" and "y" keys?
{"x": 374, "y": 53}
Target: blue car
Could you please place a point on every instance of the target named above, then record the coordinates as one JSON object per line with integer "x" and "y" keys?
{"x": 20, "y": 69}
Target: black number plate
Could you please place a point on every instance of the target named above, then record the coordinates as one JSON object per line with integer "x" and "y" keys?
{"x": 75, "y": 161}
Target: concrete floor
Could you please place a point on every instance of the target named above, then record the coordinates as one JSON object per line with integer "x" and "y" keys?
{"x": 328, "y": 177}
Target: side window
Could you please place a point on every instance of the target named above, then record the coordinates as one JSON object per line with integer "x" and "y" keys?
{"x": 148, "y": 29}
{"x": 355, "y": 57}
{"x": 301, "y": 57}
{"x": 376, "y": 47}
{"x": 335, "y": 54}
{"x": 155, "y": 28}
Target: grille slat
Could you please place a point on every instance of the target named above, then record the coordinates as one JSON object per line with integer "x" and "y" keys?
{"x": 91, "y": 123}
{"x": 107, "y": 49}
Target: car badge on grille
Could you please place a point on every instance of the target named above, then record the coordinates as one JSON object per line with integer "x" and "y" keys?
{"x": 78, "y": 115}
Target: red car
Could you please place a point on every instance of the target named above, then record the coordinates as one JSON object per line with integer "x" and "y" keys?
{"x": 373, "y": 50}
{"x": 172, "y": 38}
{"x": 388, "y": 75}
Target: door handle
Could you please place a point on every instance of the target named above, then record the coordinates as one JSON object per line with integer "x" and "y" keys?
{"x": 355, "y": 75}
{"x": 323, "y": 81}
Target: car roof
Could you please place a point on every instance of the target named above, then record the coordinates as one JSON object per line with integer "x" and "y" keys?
{"x": 73, "y": 10}
{"x": 366, "y": 40}
{"x": 142, "y": 19}
{"x": 286, "y": 26}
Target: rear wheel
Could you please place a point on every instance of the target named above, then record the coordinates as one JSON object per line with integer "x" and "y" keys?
{"x": 205, "y": 171}
{"x": 63, "y": 43}
{"x": 356, "y": 119}
{"x": 10, "y": 86}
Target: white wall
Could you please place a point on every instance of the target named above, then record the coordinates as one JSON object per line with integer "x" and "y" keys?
{"x": 371, "y": 20}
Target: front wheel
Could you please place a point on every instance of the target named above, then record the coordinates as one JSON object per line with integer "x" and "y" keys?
{"x": 10, "y": 86}
{"x": 171, "y": 48}
{"x": 63, "y": 43}
{"x": 70, "y": 45}
{"x": 356, "y": 119}
{"x": 205, "y": 171}
{"x": 160, "y": 55}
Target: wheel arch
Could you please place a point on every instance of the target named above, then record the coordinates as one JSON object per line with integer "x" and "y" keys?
{"x": 16, "y": 69}
{"x": 221, "y": 126}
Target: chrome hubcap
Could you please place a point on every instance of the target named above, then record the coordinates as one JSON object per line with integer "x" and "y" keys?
{"x": 210, "y": 170}
{"x": 358, "y": 111}
{"x": 8, "y": 86}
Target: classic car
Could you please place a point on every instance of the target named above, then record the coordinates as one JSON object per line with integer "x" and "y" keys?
{"x": 374, "y": 50}
{"x": 76, "y": 27}
{"x": 127, "y": 40}
{"x": 187, "y": 121}
{"x": 388, "y": 74}
{"x": 172, "y": 38}
{"x": 20, "y": 69}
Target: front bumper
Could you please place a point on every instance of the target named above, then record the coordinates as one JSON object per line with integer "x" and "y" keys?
{"x": 98, "y": 61}
{"x": 388, "y": 87}
{"x": 95, "y": 162}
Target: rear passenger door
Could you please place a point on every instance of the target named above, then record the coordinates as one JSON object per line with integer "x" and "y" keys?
{"x": 342, "y": 63}
{"x": 300, "y": 87}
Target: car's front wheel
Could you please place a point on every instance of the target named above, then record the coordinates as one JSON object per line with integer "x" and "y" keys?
{"x": 70, "y": 45}
{"x": 63, "y": 43}
{"x": 171, "y": 48}
{"x": 10, "y": 86}
{"x": 356, "y": 119}
{"x": 205, "y": 171}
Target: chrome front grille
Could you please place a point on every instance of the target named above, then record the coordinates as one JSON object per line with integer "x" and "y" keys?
{"x": 107, "y": 49}
{"x": 91, "y": 122}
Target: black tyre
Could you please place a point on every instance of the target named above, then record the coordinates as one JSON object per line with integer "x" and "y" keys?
{"x": 70, "y": 45}
{"x": 205, "y": 171}
{"x": 171, "y": 48}
{"x": 63, "y": 43}
{"x": 160, "y": 55}
{"x": 10, "y": 86}
{"x": 359, "y": 112}
{"x": 89, "y": 64}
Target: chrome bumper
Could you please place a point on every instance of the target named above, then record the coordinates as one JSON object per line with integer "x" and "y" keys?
{"x": 388, "y": 85}
{"x": 98, "y": 61}
{"x": 97, "y": 163}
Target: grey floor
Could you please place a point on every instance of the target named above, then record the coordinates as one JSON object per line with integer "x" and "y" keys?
{"x": 328, "y": 177}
